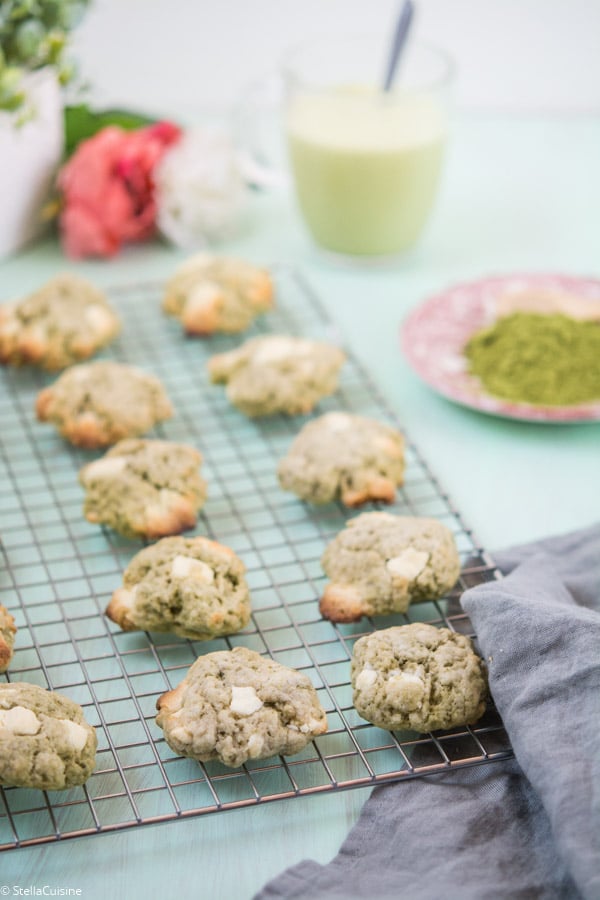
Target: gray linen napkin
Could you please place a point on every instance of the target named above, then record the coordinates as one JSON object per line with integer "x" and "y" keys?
{"x": 524, "y": 828}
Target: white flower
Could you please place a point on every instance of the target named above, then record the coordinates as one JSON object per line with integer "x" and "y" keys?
{"x": 200, "y": 190}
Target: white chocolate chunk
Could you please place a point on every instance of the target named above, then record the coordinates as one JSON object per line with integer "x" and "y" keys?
{"x": 409, "y": 564}
{"x": 19, "y": 720}
{"x": 166, "y": 501}
{"x": 316, "y": 724}
{"x": 407, "y": 689}
{"x": 310, "y": 726}
{"x": 203, "y": 297}
{"x": 255, "y": 746}
{"x": 76, "y": 735}
{"x": 244, "y": 700}
{"x": 99, "y": 318}
{"x": 127, "y": 597}
{"x": 107, "y": 467}
{"x": 406, "y": 678}
{"x": 278, "y": 348}
{"x": 366, "y": 679}
{"x": 186, "y": 566}
{"x": 338, "y": 421}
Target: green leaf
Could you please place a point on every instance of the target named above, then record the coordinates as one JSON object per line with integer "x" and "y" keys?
{"x": 34, "y": 33}
{"x": 81, "y": 123}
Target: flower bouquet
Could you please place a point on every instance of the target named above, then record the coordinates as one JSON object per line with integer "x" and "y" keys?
{"x": 126, "y": 177}
{"x": 122, "y": 186}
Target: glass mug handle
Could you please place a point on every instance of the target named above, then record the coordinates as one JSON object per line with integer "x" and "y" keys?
{"x": 258, "y": 127}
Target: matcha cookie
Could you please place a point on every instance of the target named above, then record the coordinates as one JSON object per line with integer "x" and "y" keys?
{"x": 417, "y": 677}
{"x": 209, "y": 294}
{"x": 99, "y": 403}
{"x": 381, "y": 563}
{"x": 7, "y": 638}
{"x": 192, "y": 587}
{"x": 235, "y": 705}
{"x": 345, "y": 456}
{"x": 63, "y": 322}
{"x": 274, "y": 373}
{"x": 45, "y": 741}
{"x": 144, "y": 488}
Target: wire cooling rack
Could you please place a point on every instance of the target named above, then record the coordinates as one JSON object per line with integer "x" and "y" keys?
{"x": 59, "y": 573}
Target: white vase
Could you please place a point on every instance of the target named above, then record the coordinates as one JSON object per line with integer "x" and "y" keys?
{"x": 29, "y": 157}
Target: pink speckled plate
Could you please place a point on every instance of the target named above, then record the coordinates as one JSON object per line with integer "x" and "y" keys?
{"x": 435, "y": 333}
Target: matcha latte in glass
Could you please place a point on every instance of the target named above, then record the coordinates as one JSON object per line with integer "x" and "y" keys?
{"x": 365, "y": 163}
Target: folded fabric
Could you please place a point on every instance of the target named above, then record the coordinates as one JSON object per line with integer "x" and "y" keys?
{"x": 528, "y": 827}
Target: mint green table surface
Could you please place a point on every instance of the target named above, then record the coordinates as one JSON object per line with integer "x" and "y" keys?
{"x": 519, "y": 195}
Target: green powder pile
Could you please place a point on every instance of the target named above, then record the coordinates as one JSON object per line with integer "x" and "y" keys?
{"x": 550, "y": 360}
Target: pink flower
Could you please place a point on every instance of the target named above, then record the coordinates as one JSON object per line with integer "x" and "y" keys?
{"x": 108, "y": 189}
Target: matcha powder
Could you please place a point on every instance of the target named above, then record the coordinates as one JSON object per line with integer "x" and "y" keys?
{"x": 550, "y": 360}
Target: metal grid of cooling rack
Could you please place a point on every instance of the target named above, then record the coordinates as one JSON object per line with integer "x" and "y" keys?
{"x": 59, "y": 572}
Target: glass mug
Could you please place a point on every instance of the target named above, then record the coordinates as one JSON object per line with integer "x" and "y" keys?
{"x": 365, "y": 164}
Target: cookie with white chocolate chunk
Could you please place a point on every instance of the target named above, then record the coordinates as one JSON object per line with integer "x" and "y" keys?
{"x": 380, "y": 563}
{"x": 347, "y": 456}
{"x": 45, "y": 741}
{"x": 63, "y": 322}
{"x": 144, "y": 488}
{"x": 417, "y": 677}
{"x": 217, "y": 294}
{"x": 193, "y": 587}
{"x": 7, "y": 638}
{"x": 277, "y": 374}
{"x": 97, "y": 404}
{"x": 235, "y": 705}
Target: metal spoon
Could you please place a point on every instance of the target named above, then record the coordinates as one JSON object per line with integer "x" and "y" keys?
{"x": 398, "y": 43}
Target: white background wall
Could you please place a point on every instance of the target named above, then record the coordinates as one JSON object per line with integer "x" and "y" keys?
{"x": 164, "y": 55}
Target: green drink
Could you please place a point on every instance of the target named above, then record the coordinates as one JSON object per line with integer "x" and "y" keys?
{"x": 366, "y": 166}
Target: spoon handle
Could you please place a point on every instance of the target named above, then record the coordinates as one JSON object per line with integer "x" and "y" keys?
{"x": 400, "y": 35}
